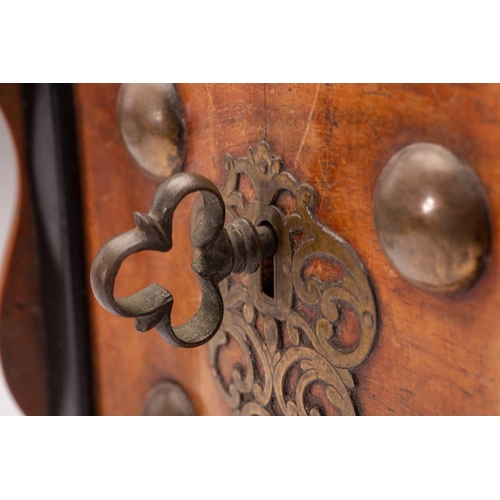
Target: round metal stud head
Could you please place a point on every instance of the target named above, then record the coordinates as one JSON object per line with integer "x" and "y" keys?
{"x": 152, "y": 126}
{"x": 432, "y": 218}
{"x": 167, "y": 399}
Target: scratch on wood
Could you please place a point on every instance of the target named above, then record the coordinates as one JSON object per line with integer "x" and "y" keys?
{"x": 265, "y": 113}
{"x": 446, "y": 102}
{"x": 212, "y": 104}
{"x": 308, "y": 124}
{"x": 374, "y": 398}
{"x": 213, "y": 163}
{"x": 467, "y": 393}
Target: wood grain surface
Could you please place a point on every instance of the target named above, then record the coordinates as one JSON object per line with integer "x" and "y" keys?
{"x": 22, "y": 346}
{"x": 435, "y": 355}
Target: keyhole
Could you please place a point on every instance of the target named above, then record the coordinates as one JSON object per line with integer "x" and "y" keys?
{"x": 267, "y": 274}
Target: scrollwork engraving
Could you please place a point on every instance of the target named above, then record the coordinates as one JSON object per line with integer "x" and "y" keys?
{"x": 293, "y": 351}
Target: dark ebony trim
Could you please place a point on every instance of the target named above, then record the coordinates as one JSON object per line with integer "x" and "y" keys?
{"x": 52, "y": 160}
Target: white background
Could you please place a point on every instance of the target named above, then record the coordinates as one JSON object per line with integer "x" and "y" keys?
{"x": 8, "y": 199}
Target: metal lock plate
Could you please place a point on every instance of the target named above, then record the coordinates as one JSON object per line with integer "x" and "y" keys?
{"x": 294, "y": 331}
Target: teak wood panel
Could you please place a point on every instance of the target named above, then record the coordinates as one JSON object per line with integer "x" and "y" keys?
{"x": 434, "y": 354}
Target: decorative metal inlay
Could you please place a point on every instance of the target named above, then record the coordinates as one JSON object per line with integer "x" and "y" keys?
{"x": 294, "y": 332}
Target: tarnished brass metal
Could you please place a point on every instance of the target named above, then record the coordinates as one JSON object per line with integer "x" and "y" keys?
{"x": 152, "y": 127}
{"x": 299, "y": 330}
{"x": 167, "y": 399}
{"x": 432, "y": 218}
{"x": 303, "y": 317}
{"x": 239, "y": 247}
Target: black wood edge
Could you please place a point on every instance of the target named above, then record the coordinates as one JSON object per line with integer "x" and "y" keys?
{"x": 52, "y": 161}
